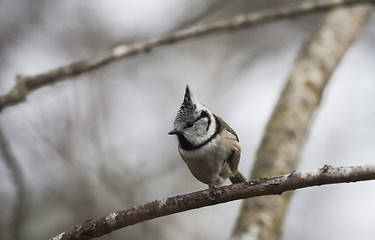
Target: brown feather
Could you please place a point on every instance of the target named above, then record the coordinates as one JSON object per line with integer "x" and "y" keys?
{"x": 224, "y": 126}
{"x": 233, "y": 159}
{"x": 238, "y": 178}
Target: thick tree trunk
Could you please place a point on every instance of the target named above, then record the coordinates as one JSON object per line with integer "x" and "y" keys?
{"x": 278, "y": 153}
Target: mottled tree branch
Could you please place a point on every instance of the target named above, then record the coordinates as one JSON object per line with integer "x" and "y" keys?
{"x": 288, "y": 126}
{"x": 265, "y": 186}
{"x": 26, "y": 84}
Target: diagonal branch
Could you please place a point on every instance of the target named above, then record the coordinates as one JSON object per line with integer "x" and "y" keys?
{"x": 265, "y": 186}
{"x": 26, "y": 84}
{"x": 289, "y": 124}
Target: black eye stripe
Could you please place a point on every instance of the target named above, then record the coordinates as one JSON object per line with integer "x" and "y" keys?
{"x": 200, "y": 119}
{"x": 204, "y": 114}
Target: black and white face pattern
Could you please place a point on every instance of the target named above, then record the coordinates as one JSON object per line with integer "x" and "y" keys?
{"x": 199, "y": 126}
{"x": 194, "y": 122}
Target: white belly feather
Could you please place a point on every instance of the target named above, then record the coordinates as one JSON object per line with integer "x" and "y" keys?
{"x": 208, "y": 163}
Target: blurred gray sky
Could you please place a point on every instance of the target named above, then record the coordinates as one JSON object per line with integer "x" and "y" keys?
{"x": 98, "y": 143}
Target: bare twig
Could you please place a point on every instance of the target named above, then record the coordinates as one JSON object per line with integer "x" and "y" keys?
{"x": 284, "y": 136}
{"x": 19, "y": 184}
{"x": 25, "y": 84}
{"x": 267, "y": 186}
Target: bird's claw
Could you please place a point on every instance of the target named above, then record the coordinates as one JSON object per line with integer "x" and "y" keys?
{"x": 212, "y": 190}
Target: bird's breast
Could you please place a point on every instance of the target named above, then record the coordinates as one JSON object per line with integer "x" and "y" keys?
{"x": 208, "y": 163}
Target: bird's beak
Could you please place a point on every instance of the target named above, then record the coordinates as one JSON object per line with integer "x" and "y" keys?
{"x": 174, "y": 131}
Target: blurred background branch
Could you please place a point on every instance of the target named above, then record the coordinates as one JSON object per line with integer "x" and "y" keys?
{"x": 89, "y": 147}
{"x": 18, "y": 210}
{"x": 289, "y": 124}
{"x": 26, "y": 84}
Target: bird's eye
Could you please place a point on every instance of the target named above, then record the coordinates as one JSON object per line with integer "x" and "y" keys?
{"x": 189, "y": 124}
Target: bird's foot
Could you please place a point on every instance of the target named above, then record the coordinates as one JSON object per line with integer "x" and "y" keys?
{"x": 212, "y": 190}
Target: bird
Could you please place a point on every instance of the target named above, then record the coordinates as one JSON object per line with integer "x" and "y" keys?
{"x": 207, "y": 144}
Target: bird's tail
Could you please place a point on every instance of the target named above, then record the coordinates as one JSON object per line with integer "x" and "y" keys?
{"x": 238, "y": 178}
